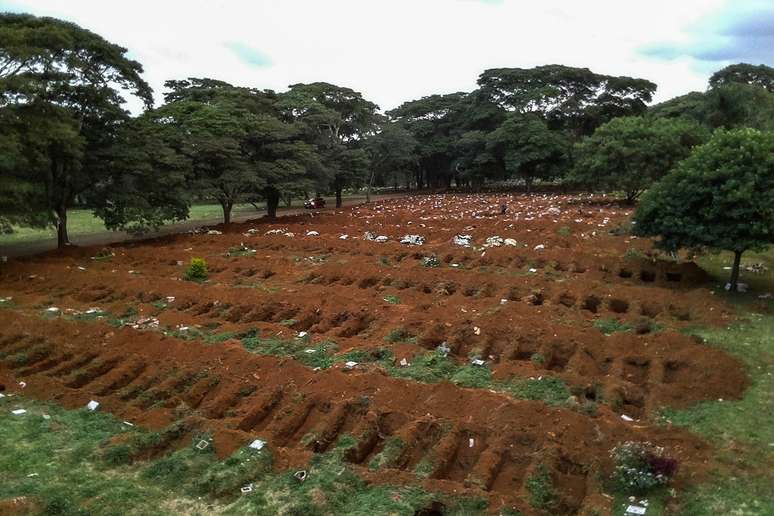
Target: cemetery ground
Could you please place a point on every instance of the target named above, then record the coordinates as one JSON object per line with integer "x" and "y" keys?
{"x": 315, "y": 364}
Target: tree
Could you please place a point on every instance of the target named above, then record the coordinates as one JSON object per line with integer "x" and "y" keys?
{"x": 338, "y": 118}
{"x": 743, "y": 73}
{"x": 631, "y": 153}
{"x": 528, "y": 148}
{"x": 60, "y": 91}
{"x": 391, "y": 151}
{"x": 574, "y": 99}
{"x": 720, "y": 197}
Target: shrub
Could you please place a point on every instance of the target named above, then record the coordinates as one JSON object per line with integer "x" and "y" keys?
{"x": 542, "y": 494}
{"x": 197, "y": 270}
{"x": 431, "y": 261}
{"x": 641, "y": 466}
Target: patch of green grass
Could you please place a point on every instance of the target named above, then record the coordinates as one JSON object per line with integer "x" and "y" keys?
{"x": 540, "y": 486}
{"x": 610, "y": 326}
{"x": 564, "y": 231}
{"x": 392, "y": 450}
{"x": 550, "y": 390}
{"x": 320, "y": 355}
{"x": 393, "y": 300}
{"x": 399, "y": 335}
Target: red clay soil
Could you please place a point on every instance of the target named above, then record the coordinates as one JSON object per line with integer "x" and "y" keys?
{"x": 503, "y": 304}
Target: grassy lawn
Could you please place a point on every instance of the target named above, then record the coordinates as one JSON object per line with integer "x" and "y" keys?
{"x": 83, "y": 222}
{"x": 76, "y": 462}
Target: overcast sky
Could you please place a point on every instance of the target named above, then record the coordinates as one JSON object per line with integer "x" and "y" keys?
{"x": 398, "y": 50}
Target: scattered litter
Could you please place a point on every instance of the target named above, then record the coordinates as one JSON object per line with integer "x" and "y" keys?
{"x": 767, "y": 295}
{"x": 476, "y": 330}
{"x": 343, "y": 237}
{"x": 635, "y": 509}
{"x": 302, "y": 334}
{"x": 81, "y": 268}
{"x": 170, "y": 299}
{"x": 312, "y": 233}
{"x": 252, "y": 231}
{"x": 201, "y": 445}
{"x": 412, "y": 240}
{"x": 511, "y": 242}
{"x": 503, "y": 301}
{"x": 52, "y": 309}
{"x": 477, "y": 362}
{"x": 350, "y": 364}
{"x": 127, "y": 423}
{"x": 471, "y": 442}
{"x": 214, "y": 232}
{"x": 553, "y": 211}
{"x": 740, "y": 287}
{"x": 381, "y": 239}
{"x": 31, "y": 475}
{"x": 92, "y": 405}
{"x": 46, "y": 417}
{"x": 300, "y": 475}
{"x": 462, "y": 240}
{"x": 404, "y": 362}
{"x": 539, "y": 247}
{"x": 257, "y": 444}
{"x": 626, "y": 418}
{"x": 369, "y": 236}
{"x": 443, "y": 349}
{"x": 247, "y": 489}
{"x": 756, "y": 268}
{"x": 494, "y": 241}
{"x": 532, "y": 270}
{"x": 18, "y": 412}
{"x": 22, "y": 384}
{"x": 310, "y": 350}
{"x": 276, "y": 231}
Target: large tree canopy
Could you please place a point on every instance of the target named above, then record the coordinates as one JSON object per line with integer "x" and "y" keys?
{"x": 743, "y": 73}
{"x": 721, "y": 197}
{"x": 61, "y": 95}
{"x": 631, "y": 153}
{"x": 576, "y": 99}
{"x": 338, "y": 119}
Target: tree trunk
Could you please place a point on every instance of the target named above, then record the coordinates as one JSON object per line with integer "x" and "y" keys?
{"x": 227, "y": 205}
{"x": 62, "y": 239}
{"x": 734, "y": 281}
{"x": 370, "y": 183}
{"x": 272, "y": 201}
{"x": 528, "y": 181}
{"x": 338, "y": 194}
{"x": 288, "y": 200}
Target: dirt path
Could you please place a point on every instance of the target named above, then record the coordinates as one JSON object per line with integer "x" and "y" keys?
{"x": 106, "y": 237}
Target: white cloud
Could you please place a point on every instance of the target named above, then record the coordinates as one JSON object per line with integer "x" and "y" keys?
{"x": 391, "y": 50}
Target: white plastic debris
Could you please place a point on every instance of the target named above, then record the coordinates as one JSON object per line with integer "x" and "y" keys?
{"x": 539, "y": 247}
{"x": 52, "y": 309}
{"x": 635, "y": 509}
{"x": 201, "y": 445}
{"x": 511, "y": 242}
{"x": 740, "y": 287}
{"x": 312, "y": 233}
{"x": 257, "y": 444}
{"x": 276, "y": 232}
{"x": 477, "y": 362}
{"x": 302, "y": 334}
{"x": 22, "y": 384}
{"x": 476, "y": 330}
{"x": 412, "y": 240}
{"x": 462, "y": 240}
{"x": 443, "y": 349}
{"x": 369, "y": 236}
{"x": 503, "y": 301}
{"x": 214, "y": 232}
{"x": 553, "y": 211}
{"x": 18, "y": 412}
{"x": 343, "y": 237}
{"x": 471, "y": 442}
{"x": 626, "y": 418}
{"x": 92, "y": 405}
{"x": 494, "y": 241}
{"x": 404, "y": 362}
{"x": 381, "y": 239}
{"x": 532, "y": 270}
{"x": 300, "y": 475}
{"x": 350, "y": 364}
{"x": 310, "y": 350}
{"x": 247, "y": 489}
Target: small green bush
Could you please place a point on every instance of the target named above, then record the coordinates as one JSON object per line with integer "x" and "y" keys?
{"x": 642, "y": 466}
{"x": 542, "y": 494}
{"x": 197, "y": 270}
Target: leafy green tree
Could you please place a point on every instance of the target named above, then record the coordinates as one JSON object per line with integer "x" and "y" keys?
{"x": 60, "y": 93}
{"x": 743, "y": 73}
{"x": 574, "y": 99}
{"x": 720, "y": 197}
{"x": 529, "y": 149}
{"x": 392, "y": 151}
{"x": 339, "y": 119}
{"x": 632, "y": 153}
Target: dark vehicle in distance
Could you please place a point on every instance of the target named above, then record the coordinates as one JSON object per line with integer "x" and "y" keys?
{"x": 313, "y": 204}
